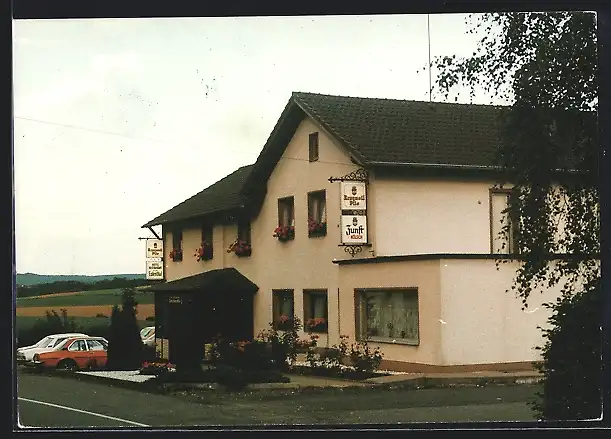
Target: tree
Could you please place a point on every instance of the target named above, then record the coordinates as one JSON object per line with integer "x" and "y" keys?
{"x": 125, "y": 348}
{"x": 545, "y": 66}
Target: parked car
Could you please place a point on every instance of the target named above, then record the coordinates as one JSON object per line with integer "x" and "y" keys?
{"x": 74, "y": 353}
{"x": 147, "y": 335}
{"x": 48, "y": 343}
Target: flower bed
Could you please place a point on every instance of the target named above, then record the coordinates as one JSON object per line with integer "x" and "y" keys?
{"x": 156, "y": 368}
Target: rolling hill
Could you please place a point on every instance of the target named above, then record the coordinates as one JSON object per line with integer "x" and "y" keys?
{"x": 35, "y": 279}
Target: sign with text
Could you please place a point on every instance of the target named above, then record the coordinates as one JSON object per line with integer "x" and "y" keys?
{"x": 154, "y": 270}
{"x": 354, "y": 195}
{"x": 354, "y": 229}
{"x": 154, "y": 248}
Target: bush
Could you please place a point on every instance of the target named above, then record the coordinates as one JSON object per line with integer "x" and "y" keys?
{"x": 53, "y": 323}
{"x": 572, "y": 366}
{"x": 150, "y": 318}
{"x": 125, "y": 346}
{"x": 284, "y": 344}
{"x": 243, "y": 355}
{"x": 230, "y": 377}
{"x": 101, "y": 315}
{"x": 363, "y": 358}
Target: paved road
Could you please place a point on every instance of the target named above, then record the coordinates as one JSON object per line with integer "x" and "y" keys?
{"x": 46, "y": 401}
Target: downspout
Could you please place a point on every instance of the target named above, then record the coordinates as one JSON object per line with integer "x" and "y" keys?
{"x": 339, "y": 326}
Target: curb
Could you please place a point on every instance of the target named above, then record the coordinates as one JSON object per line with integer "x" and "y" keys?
{"x": 434, "y": 382}
{"x": 407, "y": 384}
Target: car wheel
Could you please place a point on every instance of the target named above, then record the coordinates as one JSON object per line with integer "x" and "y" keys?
{"x": 67, "y": 365}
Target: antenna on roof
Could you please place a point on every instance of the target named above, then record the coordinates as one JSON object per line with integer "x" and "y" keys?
{"x": 428, "y": 28}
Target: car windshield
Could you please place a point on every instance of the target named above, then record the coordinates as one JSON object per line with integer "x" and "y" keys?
{"x": 44, "y": 342}
{"x": 61, "y": 343}
{"x": 146, "y": 332}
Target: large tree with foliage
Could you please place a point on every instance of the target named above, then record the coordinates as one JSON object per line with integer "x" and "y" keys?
{"x": 544, "y": 65}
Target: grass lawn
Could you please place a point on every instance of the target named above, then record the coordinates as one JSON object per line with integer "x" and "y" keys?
{"x": 84, "y": 298}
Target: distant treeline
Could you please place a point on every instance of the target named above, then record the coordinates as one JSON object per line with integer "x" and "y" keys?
{"x": 71, "y": 285}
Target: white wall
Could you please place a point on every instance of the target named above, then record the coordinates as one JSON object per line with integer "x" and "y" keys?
{"x": 420, "y": 217}
{"x": 481, "y": 323}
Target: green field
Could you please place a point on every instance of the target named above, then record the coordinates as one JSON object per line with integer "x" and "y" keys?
{"x": 26, "y": 322}
{"x": 84, "y": 298}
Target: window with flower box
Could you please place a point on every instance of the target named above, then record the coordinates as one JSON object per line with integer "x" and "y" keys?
{"x": 176, "y": 251}
{"x": 313, "y": 147}
{"x": 242, "y": 246}
{"x": 388, "y": 315}
{"x": 286, "y": 219}
{"x": 315, "y": 310}
{"x": 205, "y": 251}
{"x": 283, "y": 308}
{"x": 317, "y": 214}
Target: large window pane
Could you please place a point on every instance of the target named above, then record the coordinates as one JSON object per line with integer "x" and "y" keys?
{"x": 391, "y": 315}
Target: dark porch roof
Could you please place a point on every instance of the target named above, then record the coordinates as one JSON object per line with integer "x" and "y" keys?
{"x": 222, "y": 278}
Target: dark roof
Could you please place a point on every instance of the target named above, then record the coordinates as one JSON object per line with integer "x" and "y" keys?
{"x": 221, "y": 196}
{"x": 388, "y": 131}
{"x": 219, "y": 281}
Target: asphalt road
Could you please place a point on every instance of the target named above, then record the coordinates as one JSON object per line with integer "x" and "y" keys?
{"x": 58, "y": 402}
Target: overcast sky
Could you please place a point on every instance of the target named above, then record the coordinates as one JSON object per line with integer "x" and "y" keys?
{"x": 118, "y": 120}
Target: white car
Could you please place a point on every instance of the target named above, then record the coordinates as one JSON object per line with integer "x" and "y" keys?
{"x": 26, "y": 353}
{"x": 147, "y": 335}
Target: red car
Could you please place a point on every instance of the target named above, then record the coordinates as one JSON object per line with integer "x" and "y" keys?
{"x": 73, "y": 354}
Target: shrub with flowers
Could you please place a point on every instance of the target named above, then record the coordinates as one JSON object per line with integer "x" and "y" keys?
{"x": 240, "y": 248}
{"x": 242, "y": 355}
{"x": 284, "y": 233}
{"x": 176, "y": 254}
{"x": 156, "y": 368}
{"x": 204, "y": 253}
{"x": 283, "y": 323}
{"x": 316, "y": 228}
{"x": 317, "y": 324}
{"x": 363, "y": 358}
{"x": 284, "y": 345}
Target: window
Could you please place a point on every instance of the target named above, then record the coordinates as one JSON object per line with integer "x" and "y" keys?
{"x": 176, "y": 252}
{"x": 286, "y": 219}
{"x": 244, "y": 230}
{"x": 499, "y": 218}
{"x": 78, "y": 345}
{"x": 206, "y": 245}
{"x": 388, "y": 315}
{"x": 95, "y": 345}
{"x": 286, "y": 212}
{"x": 313, "y": 147}
{"x": 315, "y": 311}
{"x": 283, "y": 308}
{"x": 317, "y": 214}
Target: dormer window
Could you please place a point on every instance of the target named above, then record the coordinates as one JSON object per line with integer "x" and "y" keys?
{"x": 313, "y": 147}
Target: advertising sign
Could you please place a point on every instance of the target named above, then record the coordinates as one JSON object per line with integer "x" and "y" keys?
{"x": 154, "y": 270}
{"x": 354, "y": 229}
{"x": 353, "y": 195}
{"x": 154, "y": 248}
